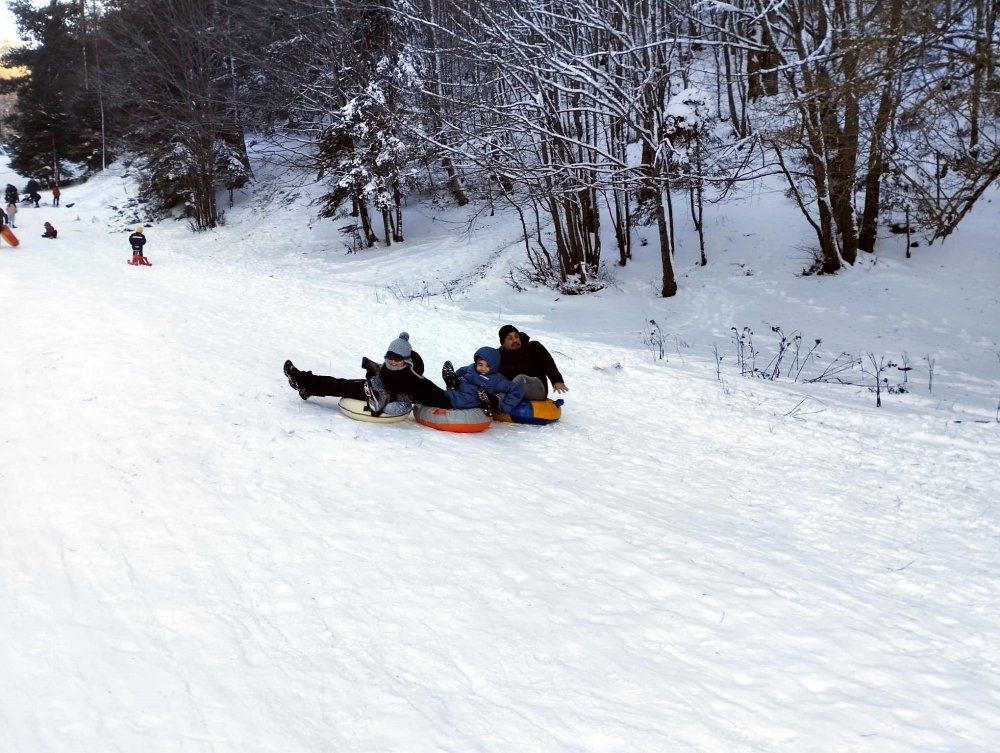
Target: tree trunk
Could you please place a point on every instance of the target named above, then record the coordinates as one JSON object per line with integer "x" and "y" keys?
{"x": 454, "y": 181}
{"x": 698, "y": 203}
{"x": 397, "y": 200}
{"x": 366, "y": 223}
{"x": 868, "y": 230}
{"x": 669, "y": 287}
{"x": 387, "y": 226}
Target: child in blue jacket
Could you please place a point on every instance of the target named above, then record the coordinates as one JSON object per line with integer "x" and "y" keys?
{"x": 478, "y": 385}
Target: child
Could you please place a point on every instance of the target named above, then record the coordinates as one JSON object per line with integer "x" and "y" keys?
{"x": 478, "y": 385}
{"x": 55, "y": 195}
{"x": 50, "y": 232}
{"x": 11, "y": 211}
{"x": 137, "y": 240}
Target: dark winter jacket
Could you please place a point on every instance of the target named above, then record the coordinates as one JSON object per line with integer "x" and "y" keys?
{"x": 50, "y": 232}
{"x": 470, "y": 380}
{"x": 408, "y": 385}
{"x": 10, "y": 194}
{"x": 531, "y": 359}
{"x": 137, "y": 241}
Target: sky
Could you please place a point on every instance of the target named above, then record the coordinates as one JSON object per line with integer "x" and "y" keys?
{"x": 8, "y": 29}
{"x": 194, "y": 559}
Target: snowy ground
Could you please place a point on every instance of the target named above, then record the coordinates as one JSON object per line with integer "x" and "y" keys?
{"x": 193, "y": 559}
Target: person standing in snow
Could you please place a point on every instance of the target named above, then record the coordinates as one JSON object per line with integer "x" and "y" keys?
{"x": 137, "y": 240}
{"x": 11, "y": 212}
{"x": 391, "y": 388}
{"x": 56, "y": 193}
{"x": 10, "y": 194}
{"x": 32, "y": 190}
{"x": 528, "y": 364}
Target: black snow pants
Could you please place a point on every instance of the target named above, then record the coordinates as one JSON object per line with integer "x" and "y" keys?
{"x": 422, "y": 391}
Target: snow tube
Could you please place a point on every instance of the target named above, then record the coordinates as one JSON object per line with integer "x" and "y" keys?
{"x": 461, "y": 420}
{"x": 536, "y": 412}
{"x": 359, "y": 411}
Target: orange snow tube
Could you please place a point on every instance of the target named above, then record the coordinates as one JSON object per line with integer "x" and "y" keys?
{"x": 460, "y": 420}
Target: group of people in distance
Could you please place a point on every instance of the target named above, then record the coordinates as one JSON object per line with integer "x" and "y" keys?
{"x": 497, "y": 380}
{"x": 11, "y": 197}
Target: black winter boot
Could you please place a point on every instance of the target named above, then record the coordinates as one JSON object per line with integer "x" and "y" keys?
{"x": 293, "y": 375}
{"x": 448, "y": 375}
{"x": 371, "y": 367}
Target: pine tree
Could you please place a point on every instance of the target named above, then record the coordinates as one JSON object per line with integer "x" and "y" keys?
{"x": 174, "y": 94}
{"x": 53, "y": 120}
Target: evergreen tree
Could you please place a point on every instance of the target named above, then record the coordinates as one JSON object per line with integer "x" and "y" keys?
{"x": 53, "y": 120}
{"x": 174, "y": 95}
{"x": 366, "y": 149}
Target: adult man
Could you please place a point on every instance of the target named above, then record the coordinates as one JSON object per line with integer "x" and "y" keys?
{"x": 528, "y": 364}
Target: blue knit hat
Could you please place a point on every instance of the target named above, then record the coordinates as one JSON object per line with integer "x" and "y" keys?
{"x": 399, "y": 348}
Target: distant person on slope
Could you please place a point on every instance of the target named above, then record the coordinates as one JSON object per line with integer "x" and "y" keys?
{"x": 56, "y": 193}
{"x": 137, "y": 240}
{"x": 50, "y": 232}
{"x": 11, "y": 211}
{"x": 7, "y": 234}
{"x": 391, "y": 388}
{"x": 32, "y": 190}
{"x": 528, "y": 364}
{"x": 10, "y": 194}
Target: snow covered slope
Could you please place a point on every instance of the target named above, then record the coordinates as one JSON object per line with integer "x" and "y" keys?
{"x": 194, "y": 559}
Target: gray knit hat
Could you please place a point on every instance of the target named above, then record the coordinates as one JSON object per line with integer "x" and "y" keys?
{"x": 400, "y": 348}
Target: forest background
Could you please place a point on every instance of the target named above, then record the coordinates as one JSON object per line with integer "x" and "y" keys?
{"x": 588, "y": 118}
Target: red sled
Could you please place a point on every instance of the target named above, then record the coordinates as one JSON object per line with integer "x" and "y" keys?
{"x": 8, "y": 235}
{"x": 139, "y": 261}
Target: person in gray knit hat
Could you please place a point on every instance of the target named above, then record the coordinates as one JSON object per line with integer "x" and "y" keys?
{"x": 400, "y": 349}
{"x": 390, "y": 388}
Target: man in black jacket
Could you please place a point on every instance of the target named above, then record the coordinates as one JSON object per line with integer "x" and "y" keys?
{"x": 528, "y": 364}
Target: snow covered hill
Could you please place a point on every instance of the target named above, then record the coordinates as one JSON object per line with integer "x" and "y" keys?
{"x": 194, "y": 559}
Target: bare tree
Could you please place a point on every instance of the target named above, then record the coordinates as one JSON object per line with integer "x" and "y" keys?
{"x": 948, "y": 131}
{"x": 559, "y": 91}
{"x": 876, "y": 95}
